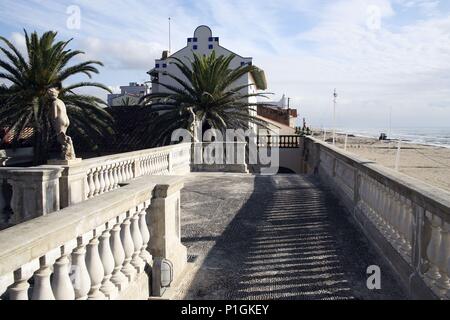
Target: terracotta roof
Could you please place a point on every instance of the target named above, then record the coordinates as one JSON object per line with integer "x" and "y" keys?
{"x": 6, "y": 138}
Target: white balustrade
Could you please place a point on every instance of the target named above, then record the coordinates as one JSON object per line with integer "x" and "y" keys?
{"x": 128, "y": 246}
{"x": 107, "y": 257}
{"x": 98, "y": 249}
{"x": 414, "y": 218}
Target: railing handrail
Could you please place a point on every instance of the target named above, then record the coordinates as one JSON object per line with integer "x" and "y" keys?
{"x": 133, "y": 154}
{"x": 425, "y": 195}
{"x": 33, "y": 239}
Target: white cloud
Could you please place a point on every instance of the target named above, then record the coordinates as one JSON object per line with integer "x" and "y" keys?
{"x": 378, "y": 53}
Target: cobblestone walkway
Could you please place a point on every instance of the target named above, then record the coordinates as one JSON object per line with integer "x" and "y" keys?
{"x": 280, "y": 237}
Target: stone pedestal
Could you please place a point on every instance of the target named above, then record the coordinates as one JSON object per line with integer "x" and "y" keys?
{"x": 72, "y": 184}
{"x": 165, "y": 226}
{"x": 35, "y": 192}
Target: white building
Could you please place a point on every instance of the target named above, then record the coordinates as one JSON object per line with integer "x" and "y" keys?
{"x": 129, "y": 95}
{"x": 204, "y": 43}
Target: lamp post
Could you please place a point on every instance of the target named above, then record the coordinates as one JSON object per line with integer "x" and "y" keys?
{"x": 335, "y": 95}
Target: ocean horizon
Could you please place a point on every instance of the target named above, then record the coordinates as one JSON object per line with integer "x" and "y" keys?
{"x": 433, "y": 136}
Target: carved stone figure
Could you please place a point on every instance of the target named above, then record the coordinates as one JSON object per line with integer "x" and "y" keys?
{"x": 193, "y": 128}
{"x": 60, "y": 122}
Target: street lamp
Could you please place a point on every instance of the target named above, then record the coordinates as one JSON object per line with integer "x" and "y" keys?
{"x": 335, "y": 95}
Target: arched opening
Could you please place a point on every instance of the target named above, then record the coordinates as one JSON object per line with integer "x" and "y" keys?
{"x": 284, "y": 170}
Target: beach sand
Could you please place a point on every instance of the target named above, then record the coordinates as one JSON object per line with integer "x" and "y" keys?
{"x": 427, "y": 163}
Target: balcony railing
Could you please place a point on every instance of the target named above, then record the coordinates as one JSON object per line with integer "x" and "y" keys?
{"x": 98, "y": 249}
{"x": 283, "y": 142}
{"x": 408, "y": 219}
{"x": 51, "y": 187}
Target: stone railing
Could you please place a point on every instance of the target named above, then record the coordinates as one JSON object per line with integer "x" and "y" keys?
{"x": 407, "y": 220}
{"x": 283, "y": 142}
{"x": 51, "y": 187}
{"x": 99, "y": 249}
{"x": 219, "y": 156}
{"x": 93, "y": 177}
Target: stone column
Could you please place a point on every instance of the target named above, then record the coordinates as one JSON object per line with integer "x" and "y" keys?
{"x": 35, "y": 192}
{"x": 73, "y": 182}
{"x": 164, "y": 224}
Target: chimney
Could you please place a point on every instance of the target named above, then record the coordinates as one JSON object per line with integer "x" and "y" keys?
{"x": 165, "y": 55}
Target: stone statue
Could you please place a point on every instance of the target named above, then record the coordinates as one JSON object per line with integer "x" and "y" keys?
{"x": 193, "y": 128}
{"x": 60, "y": 122}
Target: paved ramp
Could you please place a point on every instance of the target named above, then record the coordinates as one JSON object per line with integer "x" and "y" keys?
{"x": 280, "y": 237}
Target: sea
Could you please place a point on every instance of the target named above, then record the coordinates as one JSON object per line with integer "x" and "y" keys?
{"x": 435, "y": 136}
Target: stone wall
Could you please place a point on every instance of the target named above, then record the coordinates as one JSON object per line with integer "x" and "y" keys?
{"x": 407, "y": 220}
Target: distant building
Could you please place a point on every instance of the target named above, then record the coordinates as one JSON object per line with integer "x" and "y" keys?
{"x": 129, "y": 95}
{"x": 279, "y": 112}
{"x": 204, "y": 43}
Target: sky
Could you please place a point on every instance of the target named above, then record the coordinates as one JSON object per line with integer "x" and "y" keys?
{"x": 386, "y": 58}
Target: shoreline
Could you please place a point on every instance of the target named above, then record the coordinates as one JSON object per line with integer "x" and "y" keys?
{"x": 319, "y": 133}
{"x": 429, "y": 163}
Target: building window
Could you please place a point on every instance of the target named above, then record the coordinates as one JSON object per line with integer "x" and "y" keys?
{"x": 211, "y": 39}
{"x": 195, "y": 47}
{"x": 216, "y": 39}
{"x": 165, "y": 65}
{"x": 189, "y": 40}
{"x": 242, "y": 64}
{"x": 211, "y": 46}
{"x": 194, "y": 40}
{"x": 157, "y": 65}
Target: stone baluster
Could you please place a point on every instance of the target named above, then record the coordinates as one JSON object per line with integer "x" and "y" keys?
{"x": 130, "y": 168}
{"x": 152, "y": 164}
{"x": 118, "y": 278}
{"x": 116, "y": 175}
{"x": 397, "y": 217}
{"x": 106, "y": 255}
{"x": 385, "y": 212}
{"x": 95, "y": 267}
{"x": 19, "y": 289}
{"x": 433, "y": 274}
{"x": 137, "y": 261}
{"x": 120, "y": 172}
{"x": 62, "y": 284}
{"x": 42, "y": 287}
{"x": 378, "y": 206}
{"x": 143, "y": 227}
{"x": 147, "y": 165}
{"x": 112, "y": 178}
{"x": 91, "y": 183}
{"x": 404, "y": 243}
{"x": 128, "y": 246}
{"x": 81, "y": 279}
{"x": 390, "y": 213}
{"x": 96, "y": 181}
{"x": 101, "y": 179}
{"x": 443, "y": 283}
{"x": 124, "y": 171}
{"x": 106, "y": 178}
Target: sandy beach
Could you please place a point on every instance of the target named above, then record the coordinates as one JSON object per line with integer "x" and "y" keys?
{"x": 427, "y": 163}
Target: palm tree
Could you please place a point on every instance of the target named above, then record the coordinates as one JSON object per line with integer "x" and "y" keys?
{"x": 210, "y": 90}
{"x": 26, "y": 102}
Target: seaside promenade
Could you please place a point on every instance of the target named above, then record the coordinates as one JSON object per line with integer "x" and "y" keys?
{"x": 280, "y": 237}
